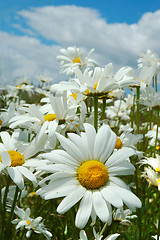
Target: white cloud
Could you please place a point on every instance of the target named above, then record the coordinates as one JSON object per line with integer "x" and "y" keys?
{"x": 119, "y": 43}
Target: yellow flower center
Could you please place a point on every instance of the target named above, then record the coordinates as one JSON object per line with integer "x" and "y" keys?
{"x": 28, "y": 222}
{"x": 92, "y": 174}
{"x": 157, "y": 147}
{"x": 118, "y": 143}
{"x": 17, "y": 158}
{"x": 157, "y": 170}
{"x": 158, "y": 181}
{"x": 95, "y": 86}
{"x": 77, "y": 60}
{"x": 74, "y": 95}
{"x": 19, "y": 86}
{"x": 50, "y": 117}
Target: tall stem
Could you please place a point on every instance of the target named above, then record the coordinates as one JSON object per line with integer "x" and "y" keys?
{"x": 158, "y": 230}
{"x": 8, "y": 232}
{"x": 4, "y": 204}
{"x": 136, "y": 172}
{"x": 103, "y": 229}
{"x": 96, "y": 112}
{"x": 156, "y": 133}
{"x": 103, "y": 109}
{"x": 138, "y": 109}
{"x": 155, "y": 78}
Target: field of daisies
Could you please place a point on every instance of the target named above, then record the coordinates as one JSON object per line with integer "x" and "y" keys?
{"x": 80, "y": 160}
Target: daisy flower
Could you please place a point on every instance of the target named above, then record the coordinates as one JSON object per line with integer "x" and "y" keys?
{"x": 128, "y": 139}
{"x": 123, "y": 216}
{"x": 152, "y": 177}
{"x": 86, "y": 170}
{"x": 74, "y": 57}
{"x": 16, "y": 157}
{"x": 149, "y": 63}
{"x": 153, "y": 162}
{"x": 152, "y": 134}
{"x": 83, "y": 236}
{"x": 7, "y": 114}
{"x": 36, "y": 225}
{"x": 48, "y": 116}
{"x": 150, "y": 98}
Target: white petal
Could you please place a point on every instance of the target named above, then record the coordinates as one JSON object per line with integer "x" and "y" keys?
{"x": 123, "y": 168}
{"x": 84, "y": 210}
{"x": 101, "y": 207}
{"x": 90, "y": 135}
{"x": 119, "y": 156}
{"x": 71, "y": 148}
{"x": 109, "y": 147}
{"x": 104, "y": 143}
{"x": 60, "y": 192}
{"x": 57, "y": 168}
{"x": 16, "y": 176}
{"x": 7, "y": 141}
{"x": 129, "y": 198}
{"x": 112, "y": 236}
{"x": 83, "y": 235}
{"x": 60, "y": 156}
{"x": 6, "y": 160}
{"x": 60, "y": 182}
{"x": 71, "y": 199}
{"x": 110, "y": 195}
{"x": 29, "y": 175}
{"x": 79, "y": 142}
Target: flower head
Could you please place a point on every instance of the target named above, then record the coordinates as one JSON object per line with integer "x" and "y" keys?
{"x": 86, "y": 170}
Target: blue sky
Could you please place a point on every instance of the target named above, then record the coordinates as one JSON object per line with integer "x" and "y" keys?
{"x": 119, "y": 30}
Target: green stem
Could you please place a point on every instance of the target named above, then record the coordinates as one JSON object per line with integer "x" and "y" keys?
{"x": 155, "y": 78}
{"x": 103, "y": 229}
{"x": 8, "y": 232}
{"x": 158, "y": 230}
{"x": 4, "y": 204}
{"x": 132, "y": 112}
{"x": 156, "y": 133}
{"x": 138, "y": 109}
{"x": 136, "y": 171}
{"x": 103, "y": 109}
{"x": 96, "y": 112}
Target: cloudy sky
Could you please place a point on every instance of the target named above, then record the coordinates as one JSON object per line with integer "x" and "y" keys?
{"x": 32, "y": 32}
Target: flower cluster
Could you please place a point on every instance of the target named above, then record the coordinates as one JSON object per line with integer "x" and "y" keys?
{"x": 76, "y": 145}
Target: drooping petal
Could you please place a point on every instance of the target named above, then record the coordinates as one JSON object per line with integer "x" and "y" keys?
{"x": 100, "y": 206}
{"x": 84, "y": 210}
{"x": 16, "y": 176}
{"x": 110, "y": 195}
{"x": 71, "y": 199}
{"x": 29, "y": 175}
{"x": 6, "y": 160}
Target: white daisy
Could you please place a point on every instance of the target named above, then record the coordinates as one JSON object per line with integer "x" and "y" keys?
{"x": 149, "y": 63}
{"x": 97, "y": 236}
{"x": 48, "y": 116}
{"x": 86, "y": 170}
{"x": 153, "y": 162}
{"x": 16, "y": 157}
{"x": 73, "y": 57}
{"x": 29, "y": 223}
{"x": 152, "y": 177}
{"x": 150, "y": 98}
{"x": 123, "y": 216}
